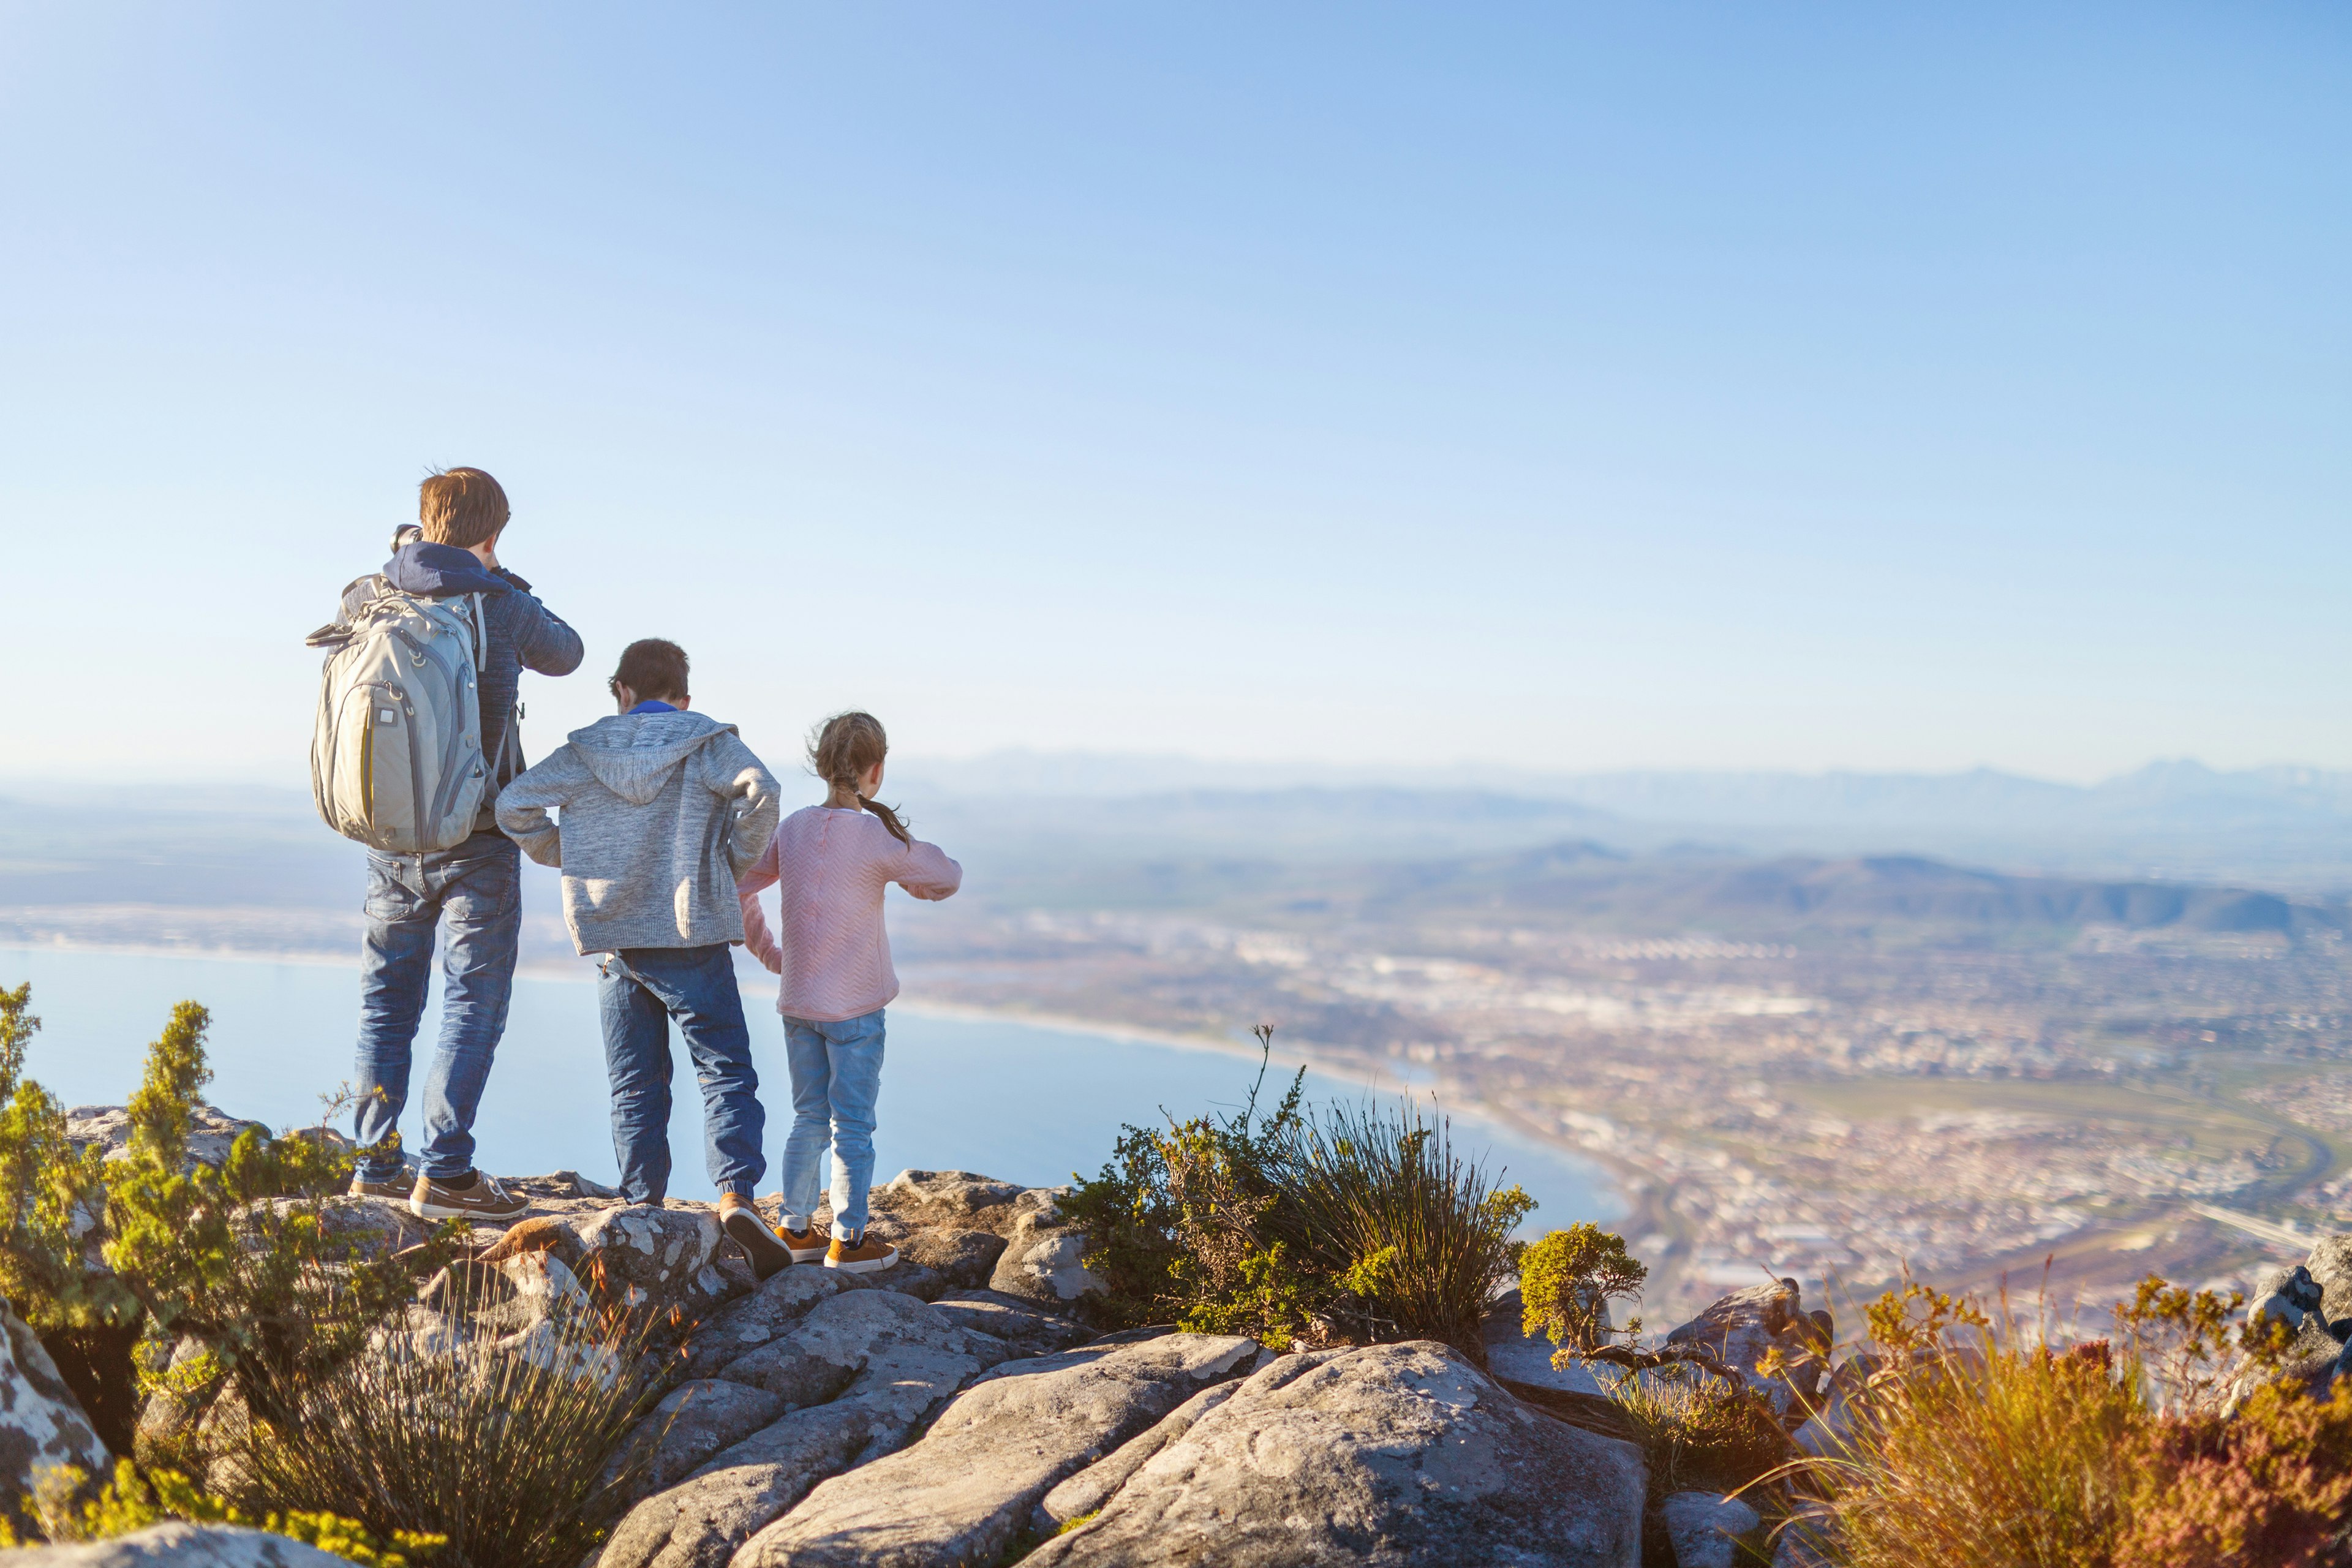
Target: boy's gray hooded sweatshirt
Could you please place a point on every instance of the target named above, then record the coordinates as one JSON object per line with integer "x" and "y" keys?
{"x": 661, "y": 813}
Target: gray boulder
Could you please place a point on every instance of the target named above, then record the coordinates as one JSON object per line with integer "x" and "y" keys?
{"x": 179, "y": 1545}
{"x": 212, "y": 1132}
{"x": 963, "y": 1493}
{"x": 1704, "y": 1528}
{"x": 1086, "y": 1492}
{"x": 1745, "y": 1327}
{"x": 41, "y": 1422}
{"x": 948, "y": 1200}
{"x": 966, "y": 1260}
{"x": 1044, "y": 1256}
{"x": 1831, "y": 1429}
{"x": 908, "y": 1361}
{"x": 694, "y": 1421}
{"x": 2330, "y": 1268}
{"x": 1514, "y": 1354}
{"x": 1402, "y": 1455}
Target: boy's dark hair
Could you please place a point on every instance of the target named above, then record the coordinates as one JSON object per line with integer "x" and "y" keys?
{"x": 654, "y": 669}
{"x": 464, "y": 507}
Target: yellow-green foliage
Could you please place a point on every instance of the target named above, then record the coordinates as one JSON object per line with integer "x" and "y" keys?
{"x": 66, "y": 1512}
{"x": 1567, "y": 1281}
{"x": 42, "y": 1185}
{"x": 189, "y": 1249}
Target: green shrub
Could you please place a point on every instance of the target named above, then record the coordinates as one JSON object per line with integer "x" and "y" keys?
{"x": 1566, "y": 1283}
{"x": 1359, "y": 1225}
{"x": 1409, "y": 1239}
{"x": 189, "y": 1252}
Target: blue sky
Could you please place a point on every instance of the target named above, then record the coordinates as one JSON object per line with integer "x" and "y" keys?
{"x": 1558, "y": 387}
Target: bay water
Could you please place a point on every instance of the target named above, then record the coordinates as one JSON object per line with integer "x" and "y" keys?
{"x": 1023, "y": 1101}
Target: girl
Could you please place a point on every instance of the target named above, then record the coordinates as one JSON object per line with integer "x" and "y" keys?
{"x": 833, "y": 862}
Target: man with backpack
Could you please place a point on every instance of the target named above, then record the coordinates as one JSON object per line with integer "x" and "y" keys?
{"x": 404, "y": 762}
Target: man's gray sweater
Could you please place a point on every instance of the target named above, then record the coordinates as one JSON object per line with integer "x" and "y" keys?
{"x": 661, "y": 812}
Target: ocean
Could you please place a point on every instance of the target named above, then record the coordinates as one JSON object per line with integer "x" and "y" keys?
{"x": 1024, "y": 1102}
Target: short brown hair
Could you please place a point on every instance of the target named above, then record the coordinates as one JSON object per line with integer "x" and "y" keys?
{"x": 464, "y": 507}
{"x": 652, "y": 668}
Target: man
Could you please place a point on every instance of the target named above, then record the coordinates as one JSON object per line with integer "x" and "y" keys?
{"x": 472, "y": 893}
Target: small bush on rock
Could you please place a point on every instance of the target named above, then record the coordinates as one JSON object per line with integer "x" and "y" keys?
{"x": 1698, "y": 1431}
{"x": 1357, "y": 1226}
{"x": 497, "y": 1444}
{"x": 1566, "y": 1283}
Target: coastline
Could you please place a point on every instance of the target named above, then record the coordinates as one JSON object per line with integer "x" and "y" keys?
{"x": 1621, "y": 1185}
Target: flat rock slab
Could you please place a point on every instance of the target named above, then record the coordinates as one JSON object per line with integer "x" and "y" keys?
{"x": 1086, "y": 1492}
{"x": 694, "y": 1421}
{"x": 1394, "y": 1456}
{"x": 961, "y": 1494}
{"x": 180, "y": 1546}
{"x": 1017, "y": 1323}
{"x": 908, "y": 1361}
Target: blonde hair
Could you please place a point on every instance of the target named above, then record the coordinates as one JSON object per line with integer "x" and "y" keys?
{"x": 847, "y": 747}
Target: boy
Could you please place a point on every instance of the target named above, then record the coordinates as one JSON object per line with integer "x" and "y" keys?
{"x": 663, "y": 809}
{"x": 472, "y": 892}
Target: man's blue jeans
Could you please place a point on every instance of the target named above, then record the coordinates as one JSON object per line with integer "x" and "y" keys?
{"x": 473, "y": 893}
{"x": 639, "y": 991}
{"x": 837, "y": 1077}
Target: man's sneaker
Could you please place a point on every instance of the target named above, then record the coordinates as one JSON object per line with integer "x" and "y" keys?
{"x": 805, "y": 1246}
{"x": 397, "y": 1188}
{"x": 862, "y": 1256}
{"x": 482, "y": 1199}
{"x": 747, "y": 1230}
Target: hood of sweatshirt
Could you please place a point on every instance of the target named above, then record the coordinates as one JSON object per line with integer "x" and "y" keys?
{"x": 441, "y": 572}
{"x": 634, "y": 754}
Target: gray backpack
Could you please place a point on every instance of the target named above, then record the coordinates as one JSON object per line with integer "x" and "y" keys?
{"x": 396, "y": 753}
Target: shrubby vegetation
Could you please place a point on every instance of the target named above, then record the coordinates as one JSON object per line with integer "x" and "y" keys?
{"x": 216, "y": 1324}
{"x": 1979, "y": 1442}
{"x": 1353, "y": 1225}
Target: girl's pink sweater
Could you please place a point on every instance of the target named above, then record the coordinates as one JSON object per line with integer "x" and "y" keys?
{"x": 832, "y": 866}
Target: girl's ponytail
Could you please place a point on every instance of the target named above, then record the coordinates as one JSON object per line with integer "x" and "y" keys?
{"x": 845, "y": 749}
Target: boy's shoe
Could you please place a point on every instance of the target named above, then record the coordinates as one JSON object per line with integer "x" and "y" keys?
{"x": 397, "y": 1188}
{"x": 483, "y": 1201}
{"x": 747, "y": 1230}
{"x": 807, "y": 1246}
{"x": 862, "y": 1256}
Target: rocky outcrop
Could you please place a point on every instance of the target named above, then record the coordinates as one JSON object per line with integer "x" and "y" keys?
{"x": 961, "y": 1494}
{"x": 41, "y": 1421}
{"x": 1044, "y": 1256}
{"x": 1745, "y": 1327}
{"x": 1404, "y": 1456}
{"x": 183, "y": 1546}
{"x": 1521, "y": 1357}
{"x": 859, "y": 1373}
{"x": 212, "y": 1132}
{"x": 1084, "y": 1494}
{"x": 2330, "y": 1268}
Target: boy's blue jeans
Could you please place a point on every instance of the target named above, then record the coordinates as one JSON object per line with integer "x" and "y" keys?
{"x": 473, "y": 893}
{"x": 836, "y": 1076}
{"x": 639, "y": 990}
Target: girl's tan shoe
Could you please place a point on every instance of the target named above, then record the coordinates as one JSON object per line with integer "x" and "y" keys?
{"x": 864, "y": 1256}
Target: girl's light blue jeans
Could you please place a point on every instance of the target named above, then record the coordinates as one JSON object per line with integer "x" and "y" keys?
{"x": 837, "y": 1077}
